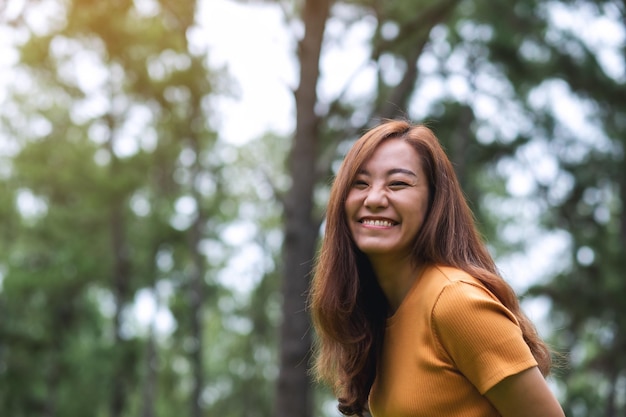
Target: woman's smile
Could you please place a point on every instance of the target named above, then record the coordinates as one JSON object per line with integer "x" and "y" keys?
{"x": 378, "y": 223}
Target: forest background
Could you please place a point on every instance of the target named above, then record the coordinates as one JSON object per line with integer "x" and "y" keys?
{"x": 157, "y": 235}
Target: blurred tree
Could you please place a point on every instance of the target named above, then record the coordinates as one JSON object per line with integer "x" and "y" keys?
{"x": 293, "y": 395}
{"x": 569, "y": 85}
{"x": 584, "y": 198}
{"x": 118, "y": 191}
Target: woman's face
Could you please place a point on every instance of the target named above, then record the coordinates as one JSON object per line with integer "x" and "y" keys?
{"x": 387, "y": 203}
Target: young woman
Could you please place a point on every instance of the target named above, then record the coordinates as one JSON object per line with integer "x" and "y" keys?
{"x": 411, "y": 315}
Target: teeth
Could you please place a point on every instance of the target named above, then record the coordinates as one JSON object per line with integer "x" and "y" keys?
{"x": 381, "y": 223}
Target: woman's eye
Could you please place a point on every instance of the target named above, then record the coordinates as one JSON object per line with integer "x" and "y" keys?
{"x": 398, "y": 184}
{"x": 360, "y": 184}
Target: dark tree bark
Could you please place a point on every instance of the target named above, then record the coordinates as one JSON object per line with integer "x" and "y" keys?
{"x": 121, "y": 278}
{"x": 120, "y": 285}
{"x": 197, "y": 290}
{"x": 148, "y": 391}
{"x": 293, "y": 393}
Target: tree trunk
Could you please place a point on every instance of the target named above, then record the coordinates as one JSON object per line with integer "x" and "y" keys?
{"x": 196, "y": 289}
{"x": 120, "y": 281}
{"x": 121, "y": 277}
{"x": 293, "y": 393}
{"x": 148, "y": 391}
{"x": 53, "y": 377}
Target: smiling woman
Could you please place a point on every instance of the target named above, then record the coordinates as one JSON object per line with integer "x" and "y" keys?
{"x": 412, "y": 316}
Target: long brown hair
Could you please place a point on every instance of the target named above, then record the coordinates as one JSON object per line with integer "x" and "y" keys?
{"x": 348, "y": 307}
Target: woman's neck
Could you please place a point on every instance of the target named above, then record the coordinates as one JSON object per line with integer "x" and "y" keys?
{"x": 396, "y": 279}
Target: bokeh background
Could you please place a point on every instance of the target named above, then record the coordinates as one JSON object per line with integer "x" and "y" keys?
{"x": 164, "y": 166}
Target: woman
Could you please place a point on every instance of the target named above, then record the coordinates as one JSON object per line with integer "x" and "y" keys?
{"x": 411, "y": 314}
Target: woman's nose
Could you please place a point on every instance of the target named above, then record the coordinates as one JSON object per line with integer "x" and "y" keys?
{"x": 376, "y": 198}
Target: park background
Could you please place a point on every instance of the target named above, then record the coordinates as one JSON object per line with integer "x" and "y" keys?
{"x": 164, "y": 167}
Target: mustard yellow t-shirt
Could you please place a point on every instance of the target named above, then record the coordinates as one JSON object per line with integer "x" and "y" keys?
{"x": 448, "y": 343}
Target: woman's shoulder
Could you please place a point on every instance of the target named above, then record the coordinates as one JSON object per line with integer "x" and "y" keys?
{"x": 455, "y": 283}
{"x": 442, "y": 275}
{"x": 454, "y": 290}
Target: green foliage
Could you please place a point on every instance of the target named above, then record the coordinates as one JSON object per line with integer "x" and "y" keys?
{"x": 98, "y": 224}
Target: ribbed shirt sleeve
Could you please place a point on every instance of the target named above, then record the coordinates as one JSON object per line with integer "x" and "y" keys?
{"x": 479, "y": 334}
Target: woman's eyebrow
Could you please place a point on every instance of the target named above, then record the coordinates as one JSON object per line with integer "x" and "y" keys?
{"x": 390, "y": 172}
{"x": 401, "y": 171}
